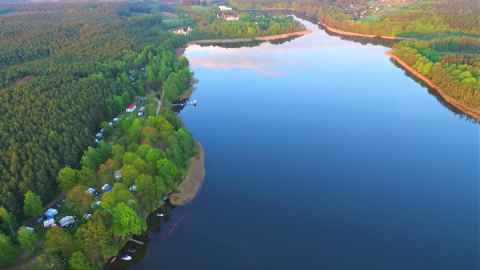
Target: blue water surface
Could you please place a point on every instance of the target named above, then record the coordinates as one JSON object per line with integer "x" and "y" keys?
{"x": 322, "y": 154}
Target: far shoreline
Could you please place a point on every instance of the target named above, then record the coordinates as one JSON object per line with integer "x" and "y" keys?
{"x": 472, "y": 112}
{"x": 226, "y": 40}
{"x": 181, "y": 50}
{"x": 341, "y": 32}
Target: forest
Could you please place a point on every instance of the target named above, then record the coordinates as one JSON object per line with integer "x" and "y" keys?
{"x": 457, "y": 74}
{"x": 251, "y": 26}
{"x": 63, "y": 77}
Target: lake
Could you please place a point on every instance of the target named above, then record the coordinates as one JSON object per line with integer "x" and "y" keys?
{"x": 321, "y": 153}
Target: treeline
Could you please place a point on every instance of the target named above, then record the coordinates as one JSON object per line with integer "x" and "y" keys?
{"x": 456, "y": 74}
{"x": 418, "y": 21}
{"x": 58, "y": 73}
{"x": 251, "y": 26}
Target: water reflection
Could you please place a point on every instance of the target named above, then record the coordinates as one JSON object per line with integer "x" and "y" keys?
{"x": 154, "y": 233}
{"x": 434, "y": 93}
{"x": 270, "y": 59}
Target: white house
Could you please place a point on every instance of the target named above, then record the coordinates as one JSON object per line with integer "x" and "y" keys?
{"x": 222, "y": 8}
{"x": 183, "y": 31}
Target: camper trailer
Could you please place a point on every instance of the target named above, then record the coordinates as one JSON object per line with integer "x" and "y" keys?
{"x": 67, "y": 221}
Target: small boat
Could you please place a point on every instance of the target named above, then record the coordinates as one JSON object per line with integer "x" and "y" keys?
{"x": 165, "y": 198}
{"x": 126, "y": 258}
{"x": 114, "y": 258}
{"x": 159, "y": 215}
{"x": 131, "y": 250}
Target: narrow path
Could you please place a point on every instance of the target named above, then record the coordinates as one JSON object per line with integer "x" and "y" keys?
{"x": 160, "y": 101}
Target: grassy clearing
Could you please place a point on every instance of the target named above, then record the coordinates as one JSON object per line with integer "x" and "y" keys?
{"x": 201, "y": 7}
{"x": 174, "y": 23}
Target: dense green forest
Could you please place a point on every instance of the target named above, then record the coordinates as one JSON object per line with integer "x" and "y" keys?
{"x": 252, "y": 26}
{"x": 64, "y": 76}
{"x": 458, "y": 74}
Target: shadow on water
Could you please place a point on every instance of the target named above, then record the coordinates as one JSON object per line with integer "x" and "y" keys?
{"x": 434, "y": 93}
{"x": 362, "y": 40}
{"x": 157, "y": 227}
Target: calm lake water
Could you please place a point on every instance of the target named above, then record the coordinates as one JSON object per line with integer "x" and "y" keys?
{"x": 321, "y": 153}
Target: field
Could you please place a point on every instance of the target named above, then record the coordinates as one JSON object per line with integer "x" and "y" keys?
{"x": 173, "y": 23}
{"x": 201, "y": 7}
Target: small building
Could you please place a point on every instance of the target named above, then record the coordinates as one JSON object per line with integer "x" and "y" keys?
{"x": 183, "y": 30}
{"x": 131, "y": 108}
{"x": 110, "y": 124}
{"x": 30, "y": 229}
{"x": 222, "y": 8}
{"x": 107, "y": 188}
{"x": 87, "y": 216}
{"x": 91, "y": 191}
{"x": 97, "y": 141}
{"x": 99, "y": 135}
{"x": 115, "y": 120}
{"x": 228, "y": 17}
{"x": 132, "y": 71}
{"x": 51, "y": 212}
{"x": 66, "y": 221}
{"x": 48, "y": 223}
{"x": 142, "y": 99}
{"x": 133, "y": 188}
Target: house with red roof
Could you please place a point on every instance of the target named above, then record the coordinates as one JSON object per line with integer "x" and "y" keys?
{"x": 131, "y": 108}
{"x": 228, "y": 17}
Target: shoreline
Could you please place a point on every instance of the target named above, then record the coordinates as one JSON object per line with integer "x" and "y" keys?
{"x": 188, "y": 189}
{"x": 472, "y": 112}
{"x": 341, "y": 32}
{"x": 226, "y": 40}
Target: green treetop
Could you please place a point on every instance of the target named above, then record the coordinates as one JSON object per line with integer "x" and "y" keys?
{"x": 33, "y": 205}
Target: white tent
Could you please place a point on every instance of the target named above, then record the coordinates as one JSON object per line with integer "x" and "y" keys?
{"x": 91, "y": 191}
{"x": 66, "y": 221}
{"x": 51, "y": 212}
{"x": 48, "y": 223}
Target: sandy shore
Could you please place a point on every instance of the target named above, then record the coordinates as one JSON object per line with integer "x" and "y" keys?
{"x": 193, "y": 179}
{"x": 341, "y": 32}
{"x": 473, "y": 112}
{"x": 300, "y": 33}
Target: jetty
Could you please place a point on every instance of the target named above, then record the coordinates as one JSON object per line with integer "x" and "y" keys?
{"x": 136, "y": 241}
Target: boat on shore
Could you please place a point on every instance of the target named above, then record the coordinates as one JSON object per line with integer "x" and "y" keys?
{"x": 126, "y": 258}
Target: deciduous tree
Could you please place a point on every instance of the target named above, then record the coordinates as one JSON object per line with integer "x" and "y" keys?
{"x": 67, "y": 178}
{"x": 9, "y": 220}
{"x": 27, "y": 239}
{"x": 32, "y": 205}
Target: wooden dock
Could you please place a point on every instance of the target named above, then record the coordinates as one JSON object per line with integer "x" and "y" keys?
{"x": 136, "y": 241}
